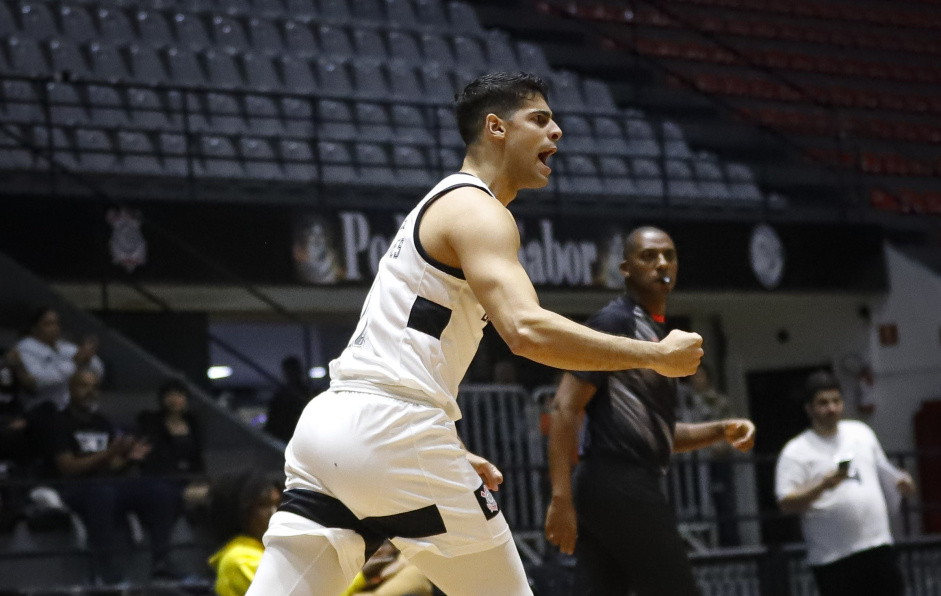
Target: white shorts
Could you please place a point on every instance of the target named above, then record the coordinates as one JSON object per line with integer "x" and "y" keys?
{"x": 398, "y": 467}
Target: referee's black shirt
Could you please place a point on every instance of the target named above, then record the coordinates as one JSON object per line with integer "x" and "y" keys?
{"x": 632, "y": 415}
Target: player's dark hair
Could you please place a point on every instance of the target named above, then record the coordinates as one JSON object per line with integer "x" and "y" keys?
{"x": 500, "y": 93}
{"x": 36, "y": 315}
{"x": 817, "y": 381}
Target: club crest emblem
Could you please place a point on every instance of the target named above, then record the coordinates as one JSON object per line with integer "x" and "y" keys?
{"x": 128, "y": 245}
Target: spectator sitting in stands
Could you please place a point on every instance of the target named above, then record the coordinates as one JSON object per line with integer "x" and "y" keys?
{"x": 241, "y": 506}
{"x": 52, "y": 360}
{"x": 84, "y": 445}
{"x": 14, "y": 442}
{"x": 288, "y": 401}
{"x": 175, "y": 437}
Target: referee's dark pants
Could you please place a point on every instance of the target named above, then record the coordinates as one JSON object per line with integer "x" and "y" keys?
{"x": 627, "y": 534}
{"x": 872, "y": 572}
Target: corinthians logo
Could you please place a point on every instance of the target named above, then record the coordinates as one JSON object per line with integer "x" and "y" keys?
{"x": 127, "y": 244}
{"x": 488, "y": 497}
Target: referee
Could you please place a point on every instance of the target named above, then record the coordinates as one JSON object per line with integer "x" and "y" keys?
{"x": 619, "y": 524}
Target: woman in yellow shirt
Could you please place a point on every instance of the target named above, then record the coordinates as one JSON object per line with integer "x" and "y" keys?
{"x": 242, "y": 505}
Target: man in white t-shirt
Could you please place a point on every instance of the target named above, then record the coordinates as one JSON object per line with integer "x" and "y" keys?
{"x": 830, "y": 475}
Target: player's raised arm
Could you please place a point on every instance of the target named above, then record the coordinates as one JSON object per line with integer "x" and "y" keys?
{"x": 486, "y": 244}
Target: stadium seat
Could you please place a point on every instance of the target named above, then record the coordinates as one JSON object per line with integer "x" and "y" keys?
{"x": 149, "y": 112}
{"x": 403, "y": 47}
{"x": 106, "y": 107}
{"x": 137, "y": 152}
{"x": 580, "y": 176}
{"x": 146, "y": 66}
{"x": 648, "y": 177}
{"x": 742, "y": 185}
{"x": 297, "y": 159}
{"x": 66, "y": 107}
{"x": 77, "y": 24}
{"x": 404, "y": 82}
{"x": 269, "y": 9}
{"x": 368, "y": 11}
{"x": 566, "y": 91}
{"x": 225, "y": 113}
{"x": 36, "y": 20}
{"x": 260, "y": 72}
{"x": 259, "y": 159}
{"x": 153, "y": 28}
{"x": 411, "y": 168}
{"x": 410, "y": 126}
{"x": 431, "y": 14}
{"x": 500, "y": 52}
{"x": 115, "y": 27}
{"x": 609, "y": 136}
{"x": 450, "y": 160}
{"x": 184, "y": 67}
{"x": 334, "y": 42}
{"x": 336, "y": 120}
{"x": 369, "y": 44}
{"x": 66, "y": 57}
{"x": 641, "y": 141}
{"x": 369, "y": 80}
{"x": 227, "y": 33}
{"x": 265, "y": 37}
{"x": 337, "y": 165}
{"x": 191, "y": 32}
{"x": 463, "y": 19}
{"x": 296, "y": 74}
{"x": 401, "y": 14}
{"x": 446, "y": 125}
{"x": 235, "y": 7}
{"x": 577, "y": 134}
{"x": 95, "y": 150}
{"x": 263, "y": 116}
{"x": 299, "y": 39}
{"x": 436, "y": 83}
{"x": 469, "y": 53}
{"x": 372, "y": 123}
{"x": 436, "y": 49}
{"x": 334, "y": 79}
{"x": 598, "y": 97}
{"x": 373, "y": 165}
{"x": 219, "y": 158}
{"x": 222, "y": 70}
{"x": 21, "y": 102}
{"x": 106, "y": 63}
{"x": 13, "y": 154}
{"x": 305, "y": 10}
{"x": 25, "y": 56}
{"x": 335, "y": 11}
{"x": 616, "y": 177}
{"x": 712, "y": 184}
{"x": 7, "y": 24}
{"x": 532, "y": 59}
{"x": 681, "y": 187}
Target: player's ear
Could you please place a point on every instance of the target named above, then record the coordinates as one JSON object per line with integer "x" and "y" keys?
{"x": 624, "y": 271}
{"x": 494, "y": 126}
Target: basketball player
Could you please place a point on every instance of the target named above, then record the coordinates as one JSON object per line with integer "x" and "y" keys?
{"x": 626, "y": 533}
{"x": 377, "y": 456}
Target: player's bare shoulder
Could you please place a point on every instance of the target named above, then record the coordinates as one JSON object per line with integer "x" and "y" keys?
{"x": 468, "y": 214}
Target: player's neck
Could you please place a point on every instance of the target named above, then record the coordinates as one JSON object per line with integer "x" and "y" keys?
{"x": 654, "y": 305}
{"x": 825, "y": 430}
{"x": 493, "y": 176}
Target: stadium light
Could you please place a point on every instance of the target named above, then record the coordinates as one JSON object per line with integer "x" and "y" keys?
{"x": 219, "y": 372}
{"x": 318, "y": 372}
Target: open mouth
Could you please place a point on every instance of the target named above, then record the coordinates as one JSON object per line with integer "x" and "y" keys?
{"x": 544, "y": 157}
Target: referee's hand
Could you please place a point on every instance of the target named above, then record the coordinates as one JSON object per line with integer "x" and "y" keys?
{"x": 489, "y": 473}
{"x": 561, "y": 524}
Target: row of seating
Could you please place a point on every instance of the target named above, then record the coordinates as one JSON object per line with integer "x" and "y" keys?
{"x": 736, "y": 25}
{"x": 269, "y": 37}
{"x": 237, "y": 157}
{"x": 906, "y": 200}
{"x": 48, "y": 18}
{"x": 832, "y": 95}
{"x": 797, "y": 61}
{"x": 879, "y": 163}
{"x": 820, "y": 123}
{"x": 873, "y": 13}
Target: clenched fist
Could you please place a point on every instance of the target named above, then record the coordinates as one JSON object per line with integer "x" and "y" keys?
{"x": 679, "y": 355}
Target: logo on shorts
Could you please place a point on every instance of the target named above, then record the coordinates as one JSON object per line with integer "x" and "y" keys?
{"x": 488, "y": 504}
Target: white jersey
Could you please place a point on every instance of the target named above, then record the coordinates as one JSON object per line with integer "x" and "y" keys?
{"x": 421, "y": 324}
